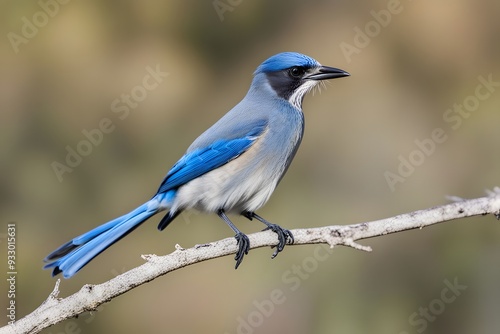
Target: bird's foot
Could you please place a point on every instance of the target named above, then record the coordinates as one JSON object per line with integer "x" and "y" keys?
{"x": 243, "y": 247}
{"x": 284, "y": 237}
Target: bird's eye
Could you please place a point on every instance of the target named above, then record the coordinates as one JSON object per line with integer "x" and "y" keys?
{"x": 296, "y": 72}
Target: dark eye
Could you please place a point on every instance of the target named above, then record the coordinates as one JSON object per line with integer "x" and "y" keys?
{"x": 296, "y": 72}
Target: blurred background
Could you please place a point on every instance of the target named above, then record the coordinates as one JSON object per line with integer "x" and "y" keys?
{"x": 415, "y": 67}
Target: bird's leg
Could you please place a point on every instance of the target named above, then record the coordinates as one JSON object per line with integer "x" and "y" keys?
{"x": 241, "y": 239}
{"x": 283, "y": 234}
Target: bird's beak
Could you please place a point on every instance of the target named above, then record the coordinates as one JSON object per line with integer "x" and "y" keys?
{"x": 325, "y": 73}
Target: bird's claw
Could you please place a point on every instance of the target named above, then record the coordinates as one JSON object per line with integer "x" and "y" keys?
{"x": 243, "y": 247}
{"x": 284, "y": 237}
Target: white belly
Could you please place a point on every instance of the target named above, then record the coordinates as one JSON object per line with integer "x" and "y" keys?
{"x": 240, "y": 185}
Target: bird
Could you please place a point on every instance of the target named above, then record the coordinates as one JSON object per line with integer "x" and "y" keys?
{"x": 231, "y": 168}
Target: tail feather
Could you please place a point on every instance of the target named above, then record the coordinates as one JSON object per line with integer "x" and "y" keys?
{"x": 171, "y": 215}
{"x": 75, "y": 254}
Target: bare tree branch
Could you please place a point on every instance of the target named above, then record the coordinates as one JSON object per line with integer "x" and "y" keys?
{"x": 89, "y": 297}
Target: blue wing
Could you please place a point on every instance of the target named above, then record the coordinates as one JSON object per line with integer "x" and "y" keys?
{"x": 202, "y": 160}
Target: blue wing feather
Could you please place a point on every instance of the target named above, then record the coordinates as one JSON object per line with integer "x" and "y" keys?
{"x": 202, "y": 160}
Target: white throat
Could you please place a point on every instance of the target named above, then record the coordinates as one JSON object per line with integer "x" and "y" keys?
{"x": 297, "y": 96}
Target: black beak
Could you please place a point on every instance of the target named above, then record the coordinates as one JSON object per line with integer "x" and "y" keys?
{"x": 325, "y": 73}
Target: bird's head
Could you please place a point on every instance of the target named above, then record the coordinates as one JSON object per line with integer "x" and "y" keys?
{"x": 291, "y": 75}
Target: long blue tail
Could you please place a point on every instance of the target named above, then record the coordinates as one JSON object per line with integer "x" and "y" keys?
{"x": 73, "y": 255}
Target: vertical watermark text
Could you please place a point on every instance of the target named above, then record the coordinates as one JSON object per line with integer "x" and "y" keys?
{"x": 11, "y": 272}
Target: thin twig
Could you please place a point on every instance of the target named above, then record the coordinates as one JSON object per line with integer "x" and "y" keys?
{"x": 90, "y": 297}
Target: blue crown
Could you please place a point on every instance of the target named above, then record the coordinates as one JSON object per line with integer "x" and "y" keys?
{"x": 284, "y": 60}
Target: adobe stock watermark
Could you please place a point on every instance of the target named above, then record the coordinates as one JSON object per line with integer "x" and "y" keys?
{"x": 421, "y": 318}
{"x": 11, "y": 265}
{"x": 292, "y": 280}
{"x": 363, "y": 37}
{"x": 373, "y": 28}
{"x": 222, "y": 6}
{"x": 121, "y": 108}
{"x": 31, "y": 26}
{"x": 454, "y": 118}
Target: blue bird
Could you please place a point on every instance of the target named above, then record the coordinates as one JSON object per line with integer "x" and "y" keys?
{"x": 233, "y": 167}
